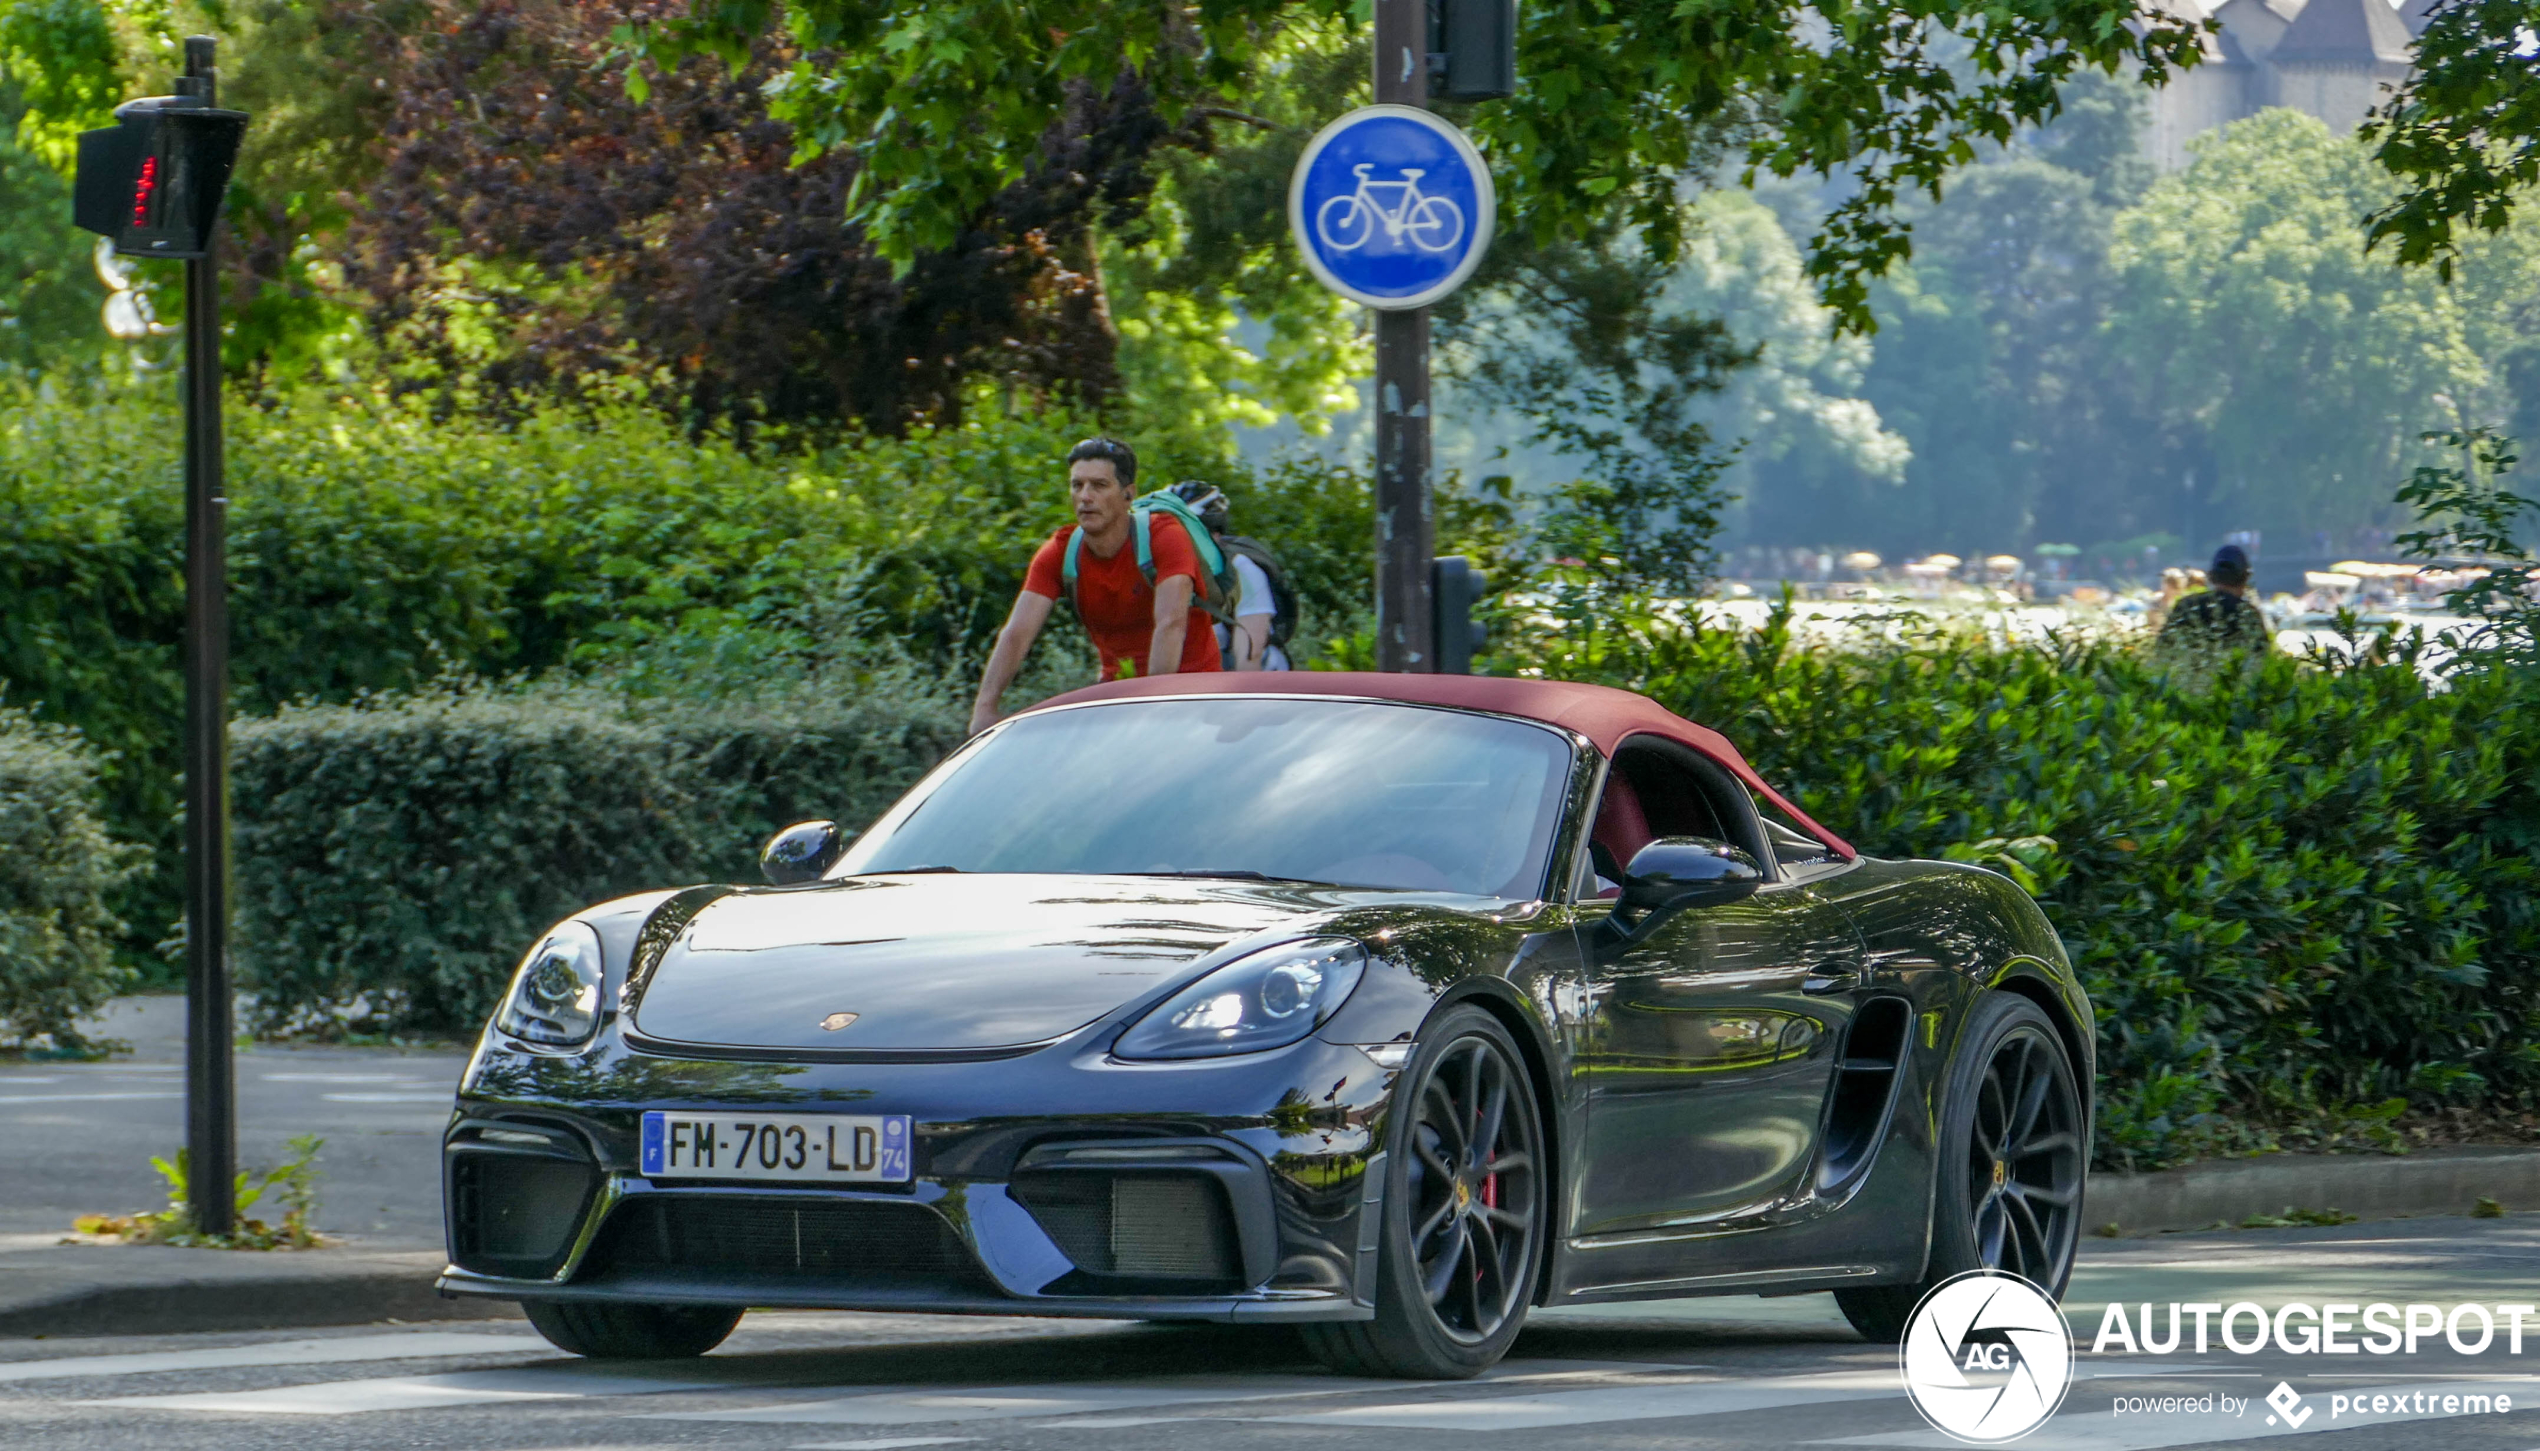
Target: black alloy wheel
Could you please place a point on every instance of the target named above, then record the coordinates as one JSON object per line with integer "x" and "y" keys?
{"x": 2024, "y": 1159}
{"x": 1464, "y": 1211}
{"x": 2012, "y": 1155}
{"x": 606, "y": 1330}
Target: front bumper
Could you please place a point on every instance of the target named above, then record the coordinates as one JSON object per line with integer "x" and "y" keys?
{"x": 1233, "y": 1190}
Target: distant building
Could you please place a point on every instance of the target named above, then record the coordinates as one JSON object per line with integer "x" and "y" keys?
{"x": 2334, "y": 59}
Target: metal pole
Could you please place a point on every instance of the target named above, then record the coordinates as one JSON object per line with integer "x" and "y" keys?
{"x": 211, "y": 1120}
{"x": 1406, "y": 527}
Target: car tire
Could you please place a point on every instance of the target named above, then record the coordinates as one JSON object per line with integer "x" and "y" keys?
{"x": 606, "y": 1331}
{"x": 1462, "y": 1240}
{"x": 2010, "y": 1173}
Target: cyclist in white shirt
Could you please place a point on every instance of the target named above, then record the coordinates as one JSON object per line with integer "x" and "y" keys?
{"x": 1251, "y": 648}
{"x": 1248, "y": 645}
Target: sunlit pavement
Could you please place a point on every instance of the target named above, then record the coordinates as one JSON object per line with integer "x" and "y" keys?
{"x": 78, "y": 1137}
{"x": 1696, "y": 1373}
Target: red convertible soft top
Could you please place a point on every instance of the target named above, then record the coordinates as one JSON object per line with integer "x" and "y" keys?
{"x": 1601, "y": 713}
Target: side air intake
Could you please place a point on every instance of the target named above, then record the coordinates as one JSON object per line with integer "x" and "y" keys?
{"x": 1864, "y": 1087}
{"x": 517, "y": 1194}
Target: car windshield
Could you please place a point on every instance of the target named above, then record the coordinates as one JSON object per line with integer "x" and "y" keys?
{"x": 1343, "y": 792}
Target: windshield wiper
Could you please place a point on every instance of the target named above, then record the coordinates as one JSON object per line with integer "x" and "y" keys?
{"x": 906, "y": 871}
{"x": 1244, "y": 873}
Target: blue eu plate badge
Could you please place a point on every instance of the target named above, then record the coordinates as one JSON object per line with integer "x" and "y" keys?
{"x": 801, "y": 1148}
{"x": 1391, "y": 207}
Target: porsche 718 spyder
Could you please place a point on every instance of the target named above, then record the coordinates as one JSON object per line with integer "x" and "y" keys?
{"x": 1386, "y": 1006}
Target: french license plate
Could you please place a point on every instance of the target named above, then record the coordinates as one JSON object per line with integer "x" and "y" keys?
{"x": 806, "y": 1148}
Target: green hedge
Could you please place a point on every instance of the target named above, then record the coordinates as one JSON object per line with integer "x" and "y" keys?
{"x": 374, "y": 548}
{"x": 395, "y": 857}
{"x": 2302, "y": 899}
{"x": 57, "y": 870}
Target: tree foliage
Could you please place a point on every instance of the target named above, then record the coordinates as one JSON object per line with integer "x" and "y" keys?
{"x": 2463, "y": 133}
{"x": 2079, "y": 354}
{"x": 532, "y": 222}
{"x": 1583, "y": 341}
{"x": 1220, "y": 322}
{"x": 2464, "y": 506}
{"x": 944, "y": 103}
{"x": 2254, "y": 314}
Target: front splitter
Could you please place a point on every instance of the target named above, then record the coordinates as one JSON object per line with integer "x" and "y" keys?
{"x": 764, "y": 1293}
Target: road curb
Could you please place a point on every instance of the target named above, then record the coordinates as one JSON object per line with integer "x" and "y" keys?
{"x": 2369, "y": 1186}
{"x": 90, "y": 1290}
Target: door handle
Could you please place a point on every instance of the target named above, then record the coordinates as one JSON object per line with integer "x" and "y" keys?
{"x": 1832, "y": 977}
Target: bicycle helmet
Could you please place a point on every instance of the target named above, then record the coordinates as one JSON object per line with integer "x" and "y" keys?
{"x": 1206, "y": 500}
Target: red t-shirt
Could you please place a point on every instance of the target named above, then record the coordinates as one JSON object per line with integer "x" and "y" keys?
{"x": 1117, "y": 603}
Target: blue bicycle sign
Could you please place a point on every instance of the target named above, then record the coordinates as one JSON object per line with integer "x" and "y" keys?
{"x": 1429, "y": 223}
{"x": 1391, "y": 206}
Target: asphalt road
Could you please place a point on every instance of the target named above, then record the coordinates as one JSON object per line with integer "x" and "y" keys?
{"x": 1680, "y": 1374}
{"x": 77, "y": 1138}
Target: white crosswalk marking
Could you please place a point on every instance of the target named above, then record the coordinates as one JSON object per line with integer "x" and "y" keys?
{"x": 80, "y": 1097}
{"x": 884, "y": 1443}
{"x": 905, "y": 1407}
{"x": 416, "y": 1392}
{"x": 909, "y": 1406}
{"x": 1607, "y": 1403}
{"x": 2094, "y": 1428}
{"x": 415, "y": 1346}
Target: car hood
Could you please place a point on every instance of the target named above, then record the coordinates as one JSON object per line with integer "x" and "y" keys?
{"x": 950, "y": 961}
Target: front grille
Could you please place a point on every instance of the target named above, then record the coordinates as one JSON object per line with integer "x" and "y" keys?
{"x": 515, "y": 1214}
{"x": 810, "y": 1238}
{"x": 1141, "y": 1226}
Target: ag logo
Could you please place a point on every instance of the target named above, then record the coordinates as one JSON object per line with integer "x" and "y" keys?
{"x": 1987, "y": 1357}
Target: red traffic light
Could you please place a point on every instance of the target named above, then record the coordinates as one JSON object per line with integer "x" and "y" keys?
{"x": 153, "y": 181}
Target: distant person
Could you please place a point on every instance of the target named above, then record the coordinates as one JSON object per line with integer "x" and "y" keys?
{"x": 1265, "y": 608}
{"x": 1143, "y": 619}
{"x": 2219, "y": 621}
{"x": 2176, "y": 583}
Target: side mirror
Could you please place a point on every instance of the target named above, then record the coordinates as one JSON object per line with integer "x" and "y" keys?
{"x": 1688, "y": 871}
{"x": 803, "y": 852}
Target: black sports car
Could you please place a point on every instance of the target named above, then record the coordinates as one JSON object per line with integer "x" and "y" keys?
{"x": 1384, "y": 1005}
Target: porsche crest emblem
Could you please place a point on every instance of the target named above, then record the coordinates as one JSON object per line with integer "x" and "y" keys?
{"x": 835, "y": 1021}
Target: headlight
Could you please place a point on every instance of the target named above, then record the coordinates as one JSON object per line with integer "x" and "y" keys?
{"x": 555, "y": 997}
{"x": 1266, "y": 1000}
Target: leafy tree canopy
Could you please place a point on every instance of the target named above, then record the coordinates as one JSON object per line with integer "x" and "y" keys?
{"x": 2463, "y": 133}
{"x": 945, "y": 103}
{"x": 2248, "y": 303}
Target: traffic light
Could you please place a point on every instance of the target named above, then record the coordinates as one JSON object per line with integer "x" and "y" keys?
{"x": 1454, "y": 586}
{"x": 153, "y": 181}
{"x": 151, "y": 184}
{"x": 1472, "y": 49}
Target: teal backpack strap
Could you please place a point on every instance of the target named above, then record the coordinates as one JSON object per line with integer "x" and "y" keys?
{"x": 1067, "y": 571}
{"x": 1146, "y": 543}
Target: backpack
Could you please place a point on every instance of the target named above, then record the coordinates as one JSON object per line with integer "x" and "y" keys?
{"x": 1217, "y": 568}
{"x": 1282, "y": 596}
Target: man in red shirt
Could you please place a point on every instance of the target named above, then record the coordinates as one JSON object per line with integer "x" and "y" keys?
{"x": 1156, "y": 629}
